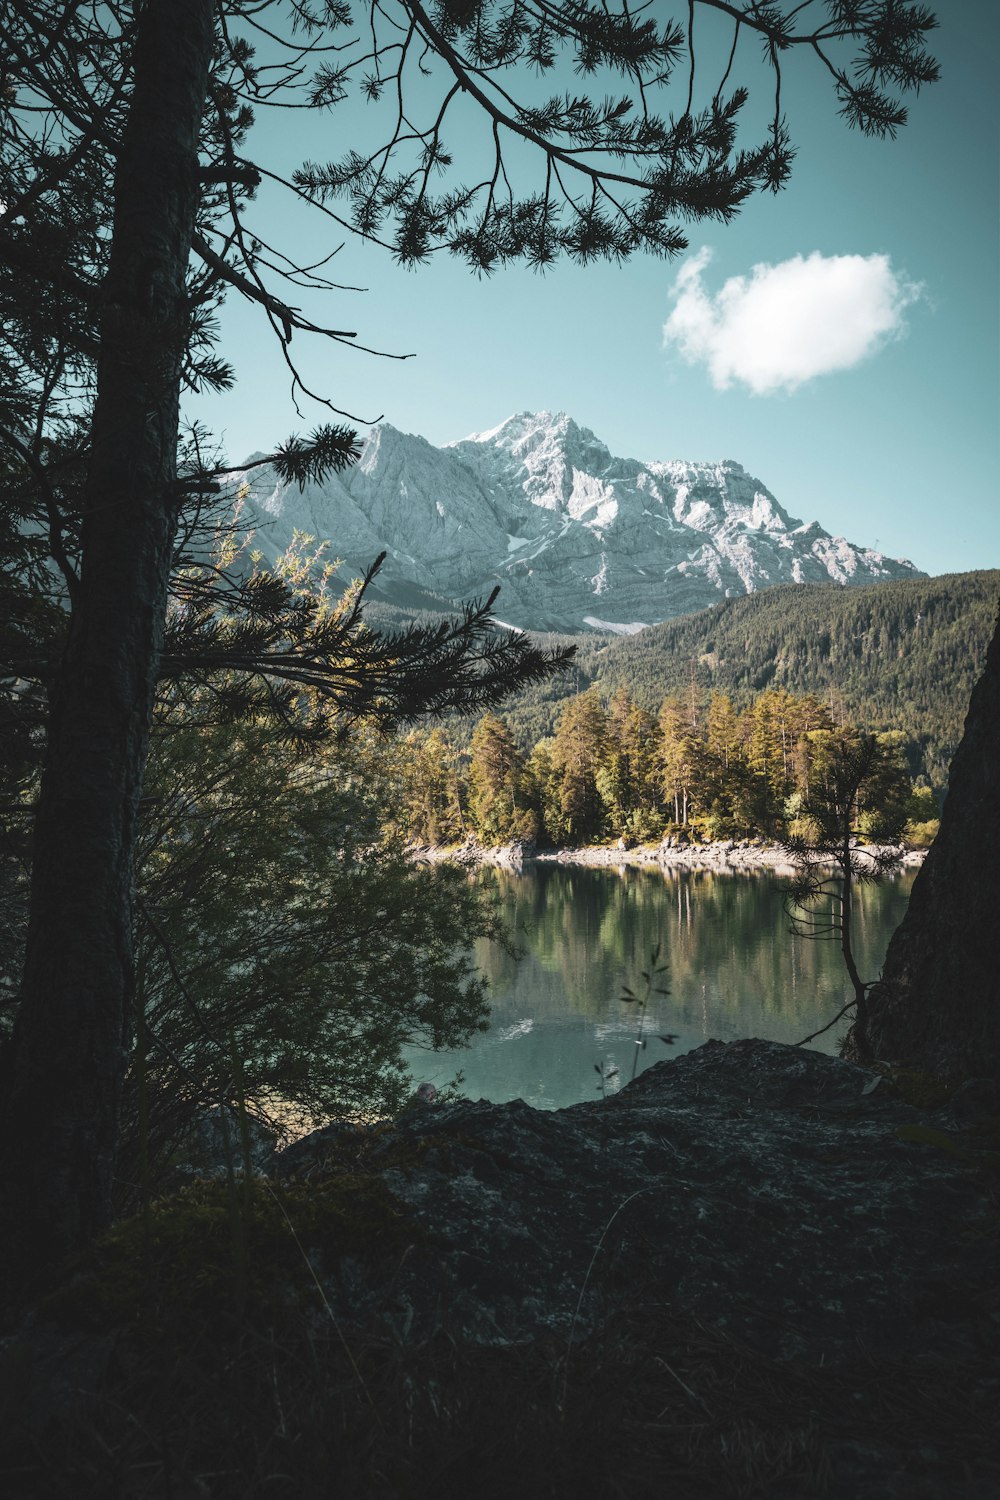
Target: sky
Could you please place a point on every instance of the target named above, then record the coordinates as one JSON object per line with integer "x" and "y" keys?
{"x": 840, "y": 339}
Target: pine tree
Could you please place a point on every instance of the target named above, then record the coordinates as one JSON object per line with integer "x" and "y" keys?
{"x": 626, "y": 779}
{"x": 499, "y": 807}
{"x": 722, "y": 729}
{"x": 677, "y": 758}
{"x": 431, "y": 810}
{"x": 771, "y": 741}
{"x": 577, "y": 754}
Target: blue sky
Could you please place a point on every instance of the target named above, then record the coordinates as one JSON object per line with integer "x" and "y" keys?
{"x": 872, "y": 403}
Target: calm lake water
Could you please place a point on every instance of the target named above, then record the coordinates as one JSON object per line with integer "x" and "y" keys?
{"x": 733, "y": 970}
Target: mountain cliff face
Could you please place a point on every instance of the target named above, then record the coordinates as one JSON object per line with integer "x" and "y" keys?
{"x": 576, "y": 537}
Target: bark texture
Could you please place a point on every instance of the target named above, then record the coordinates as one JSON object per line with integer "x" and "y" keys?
{"x": 67, "y": 1060}
{"x": 937, "y": 1006}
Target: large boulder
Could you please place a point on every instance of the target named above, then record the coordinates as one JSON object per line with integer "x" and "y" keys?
{"x": 793, "y": 1199}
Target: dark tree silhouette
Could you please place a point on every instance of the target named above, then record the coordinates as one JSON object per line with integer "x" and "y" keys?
{"x": 937, "y": 1006}
{"x": 126, "y": 217}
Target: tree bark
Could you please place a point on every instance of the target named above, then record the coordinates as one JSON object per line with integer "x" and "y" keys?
{"x": 859, "y": 1030}
{"x": 67, "y": 1059}
{"x": 937, "y": 1005}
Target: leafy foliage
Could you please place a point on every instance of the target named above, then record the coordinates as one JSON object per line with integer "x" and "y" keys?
{"x": 499, "y": 796}
{"x": 285, "y": 647}
{"x": 127, "y": 215}
{"x": 279, "y": 925}
{"x": 326, "y": 451}
{"x": 616, "y": 174}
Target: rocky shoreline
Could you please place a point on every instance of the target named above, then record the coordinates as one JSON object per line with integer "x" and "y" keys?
{"x": 730, "y": 854}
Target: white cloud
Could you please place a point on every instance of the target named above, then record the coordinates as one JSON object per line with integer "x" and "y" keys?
{"x": 785, "y": 324}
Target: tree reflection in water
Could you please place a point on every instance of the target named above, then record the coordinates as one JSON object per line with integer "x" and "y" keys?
{"x": 734, "y": 970}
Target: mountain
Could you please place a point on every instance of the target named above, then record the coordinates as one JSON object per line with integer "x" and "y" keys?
{"x": 577, "y": 538}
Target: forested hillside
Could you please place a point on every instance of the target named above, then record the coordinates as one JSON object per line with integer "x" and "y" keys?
{"x": 901, "y": 655}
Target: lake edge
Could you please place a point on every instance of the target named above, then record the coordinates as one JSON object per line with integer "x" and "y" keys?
{"x": 724, "y": 855}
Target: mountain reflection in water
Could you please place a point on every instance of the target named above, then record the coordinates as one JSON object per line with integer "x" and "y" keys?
{"x": 733, "y": 970}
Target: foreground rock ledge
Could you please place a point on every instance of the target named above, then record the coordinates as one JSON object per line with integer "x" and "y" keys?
{"x": 792, "y": 1199}
{"x": 756, "y": 1271}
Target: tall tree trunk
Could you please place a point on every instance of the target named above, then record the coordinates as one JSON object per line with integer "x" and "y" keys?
{"x": 67, "y": 1060}
{"x": 937, "y": 1006}
{"x": 859, "y": 1030}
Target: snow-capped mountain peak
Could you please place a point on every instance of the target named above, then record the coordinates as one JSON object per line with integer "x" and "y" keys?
{"x": 574, "y": 535}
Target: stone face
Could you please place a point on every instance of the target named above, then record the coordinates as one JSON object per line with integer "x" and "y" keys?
{"x": 788, "y": 1198}
{"x": 576, "y": 537}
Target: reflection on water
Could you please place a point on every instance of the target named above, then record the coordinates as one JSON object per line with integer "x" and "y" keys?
{"x": 733, "y": 970}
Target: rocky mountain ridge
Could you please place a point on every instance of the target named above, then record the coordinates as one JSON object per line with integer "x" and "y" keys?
{"x": 576, "y": 537}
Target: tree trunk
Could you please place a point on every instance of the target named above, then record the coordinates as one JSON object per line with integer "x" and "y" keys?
{"x": 937, "y": 1005}
{"x": 860, "y": 1028}
{"x": 67, "y": 1059}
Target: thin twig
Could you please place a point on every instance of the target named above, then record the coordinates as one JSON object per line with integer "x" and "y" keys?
{"x": 821, "y": 1030}
{"x": 579, "y": 1301}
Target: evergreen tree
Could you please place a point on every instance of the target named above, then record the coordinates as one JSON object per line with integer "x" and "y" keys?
{"x": 431, "y": 808}
{"x": 543, "y": 780}
{"x": 811, "y": 716}
{"x": 723, "y": 735}
{"x": 626, "y": 779}
{"x": 499, "y": 808}
{"x": 771, "y": 741}
{"x": 644, "y": 770}
{"x": 677, "y": 758}
{"x": 816, "y": 640}
{"x": 577, "y": 755}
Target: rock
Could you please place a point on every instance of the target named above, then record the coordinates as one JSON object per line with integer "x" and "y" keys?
{"x": 671, "y": 850}
{"x": 510, "y": 856}
{"x": 762, "y": 1188}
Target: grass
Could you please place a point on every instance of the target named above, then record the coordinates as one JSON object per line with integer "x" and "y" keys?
{"x": 279, "y": 1402}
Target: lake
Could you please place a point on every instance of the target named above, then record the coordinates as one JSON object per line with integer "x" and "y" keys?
{"x": 733, "y": 970}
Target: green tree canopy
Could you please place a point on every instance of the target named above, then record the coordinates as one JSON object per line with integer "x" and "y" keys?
{"x": 575, "y": 812}
{"x": 499, "y": 795}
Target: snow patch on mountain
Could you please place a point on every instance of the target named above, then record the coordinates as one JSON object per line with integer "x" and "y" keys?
{"x": 632, "y": 628}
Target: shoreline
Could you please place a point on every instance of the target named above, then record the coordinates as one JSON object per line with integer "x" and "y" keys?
{"x": 728, "y": 854}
